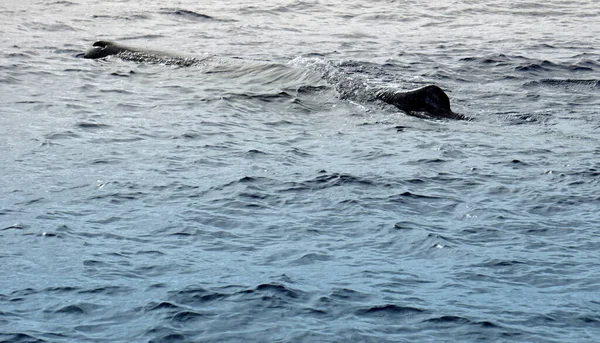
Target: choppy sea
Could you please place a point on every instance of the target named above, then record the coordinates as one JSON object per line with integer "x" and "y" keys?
{"x": 260, "y": 197}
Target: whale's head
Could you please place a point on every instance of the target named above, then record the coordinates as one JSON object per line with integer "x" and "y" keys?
{"x": 102, "y": 49}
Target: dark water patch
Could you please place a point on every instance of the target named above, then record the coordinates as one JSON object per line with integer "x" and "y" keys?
{"x": 91, "y": 126}
{"x": 255, "y": 153}
{"x": 187, "y": 232}
{"x": 51, "y": 234}
{"x": 154, "y": 253}
{"x": 19, "y": 338}
{"x": 264, "y": 97}
{"x": 131, "y": 72}
{"x": 254, "y": 196}
{"x": 61, "y": 2}
{"x": 449, "y": 320}
{"x": 430, "y": 160}
{"x": 107, "y": 161}
{"x": 503, "y": 263}
{"x": 117, "y": 140}
{"x": 123, "y": 92}
{"x": 408, "y": 225}
{"x": 190, "y": 136}
{"x": 590, "y": 319}
{"x": 566, "y": 84}
{"x": 131, "y": 17}
{"x": 94, "y": 263}
{"x": 251, "y": 179}
{"x": 187, "y": 14}
{"x": 307, "y": 89}
{"x": 588, "y": 173}
{"x": 409, "y": 195}
{"x": 390, "y": 311}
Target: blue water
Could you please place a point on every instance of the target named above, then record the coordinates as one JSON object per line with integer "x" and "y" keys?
{"x": 264, "y": 196}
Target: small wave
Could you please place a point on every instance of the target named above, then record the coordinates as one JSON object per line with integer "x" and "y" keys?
{"x": 161, "y": 306}
{"x": 77, "y": 309}
{"x": 329, "y": 180}
{"x": 496, "y": 60}
{"x": 119, "y": 197}
{"x": 348, "y": 295}
{"x": 196, "y": 296}
{"x": 275, "y": 289}
{"x": 456, "y": 320}
{"x": 62, "y": 135}
{"x": 187, "y": 316}
{"x": 551, "y": 66}
{"x": 534, "y": 67}
{"x": 54, "y": 27}
{"x": 107, "y": 290}
{"x": 311, "y": 258}
{"x": 410, "y": 195}
{"x": 13, "y": 227}
{"x": 169, "y": 338}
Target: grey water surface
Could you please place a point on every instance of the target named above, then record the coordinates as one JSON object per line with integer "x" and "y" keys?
{"x": 265, "y": 196}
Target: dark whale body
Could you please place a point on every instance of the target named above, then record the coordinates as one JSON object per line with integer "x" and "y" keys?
{"x": 425, "y": 102}
{"x": 428, "y": 101}
{"x": 103, "y": 48}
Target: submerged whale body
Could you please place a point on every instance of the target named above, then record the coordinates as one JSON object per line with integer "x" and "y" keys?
{"x": 426, "y": 102}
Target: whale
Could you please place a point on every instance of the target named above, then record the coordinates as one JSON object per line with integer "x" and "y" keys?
{"x": 105, "y": 48}
{"x": 101, "y": 49}
{"x": 429, "y": 102}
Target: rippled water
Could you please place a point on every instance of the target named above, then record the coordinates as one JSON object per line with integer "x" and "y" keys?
{"x": 264, "y": 196}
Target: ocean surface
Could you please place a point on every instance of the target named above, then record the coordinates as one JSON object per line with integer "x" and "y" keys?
{"x": 265, "y": 196}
